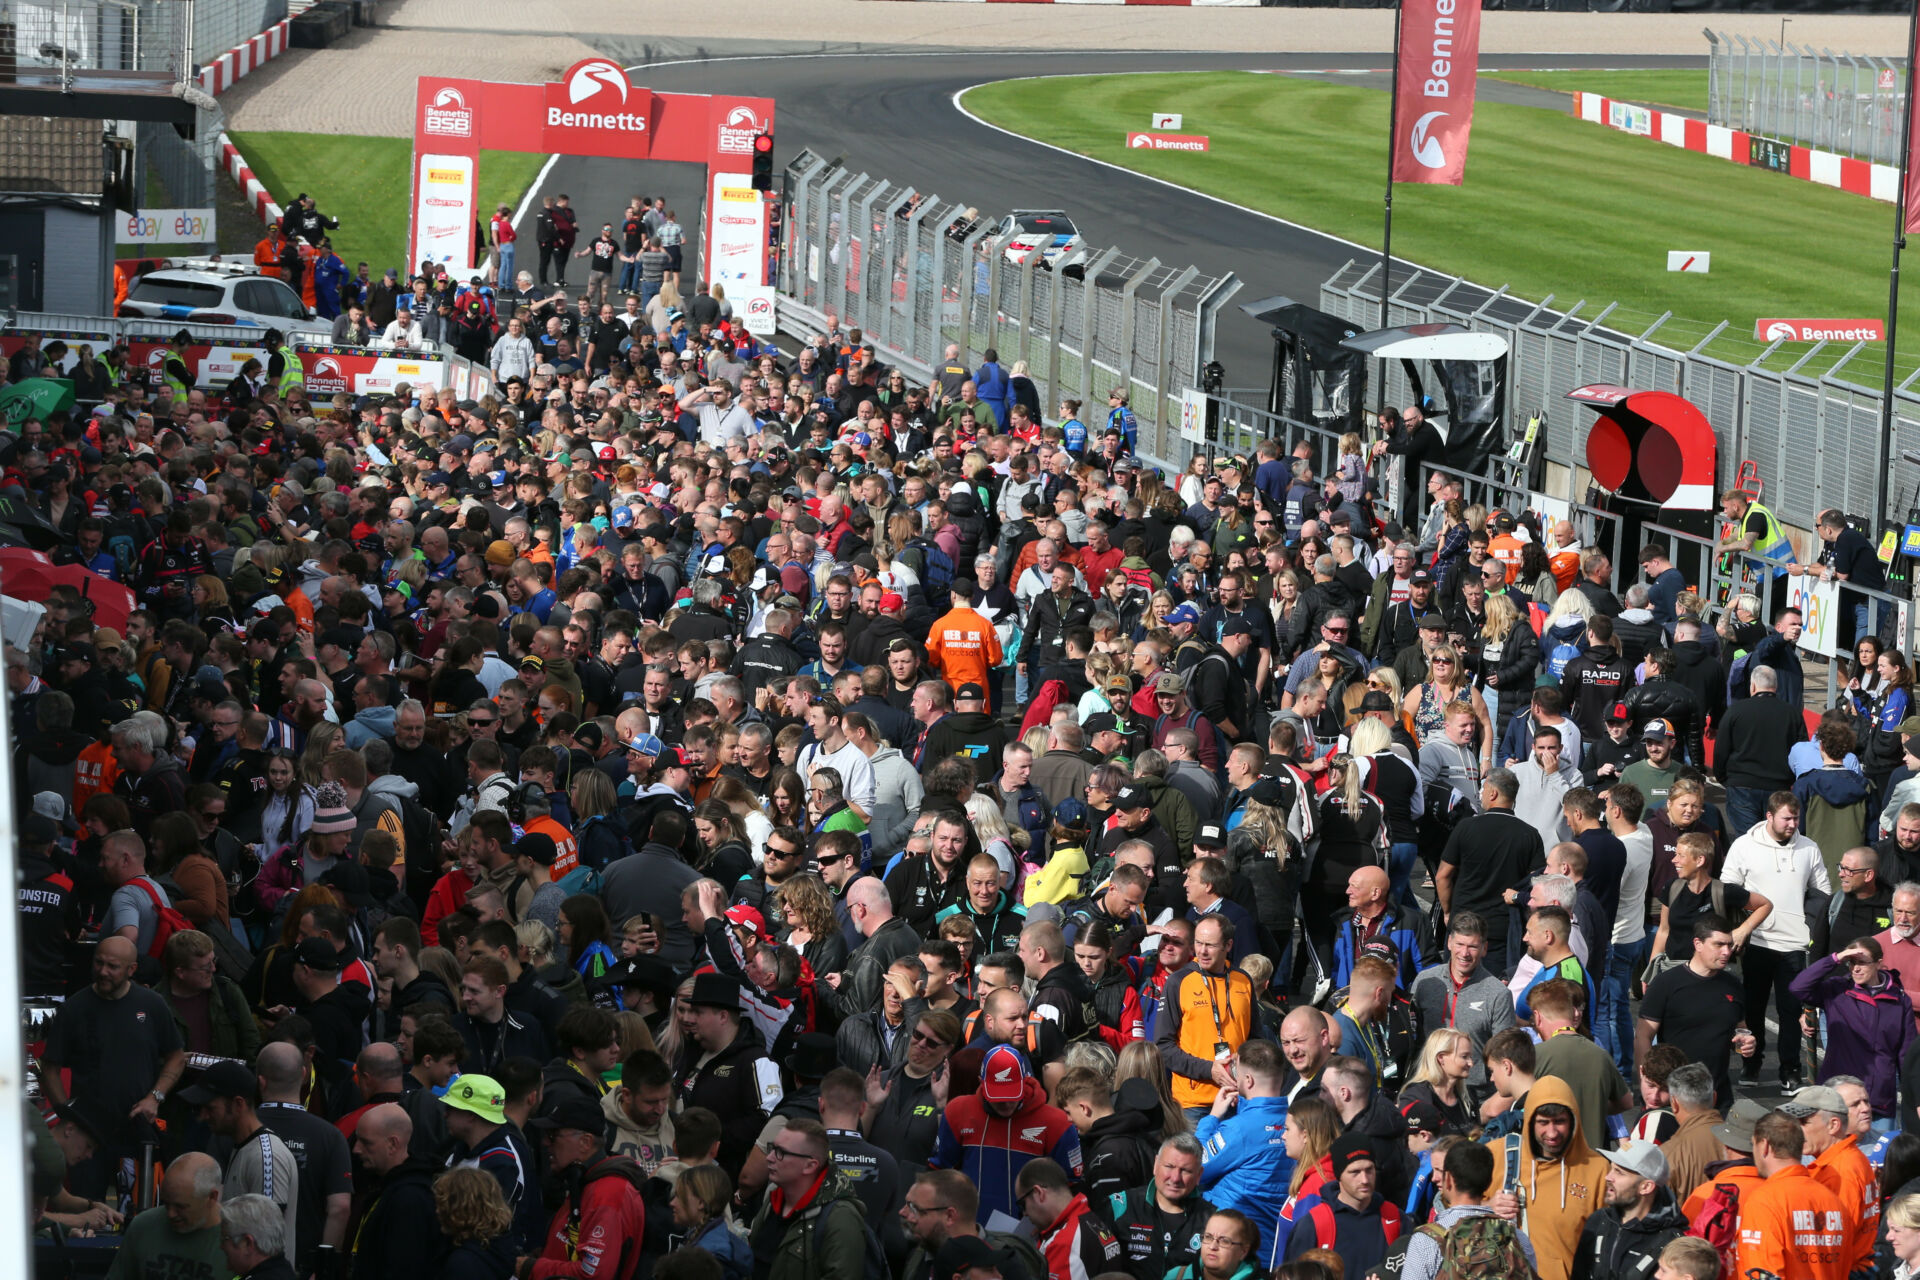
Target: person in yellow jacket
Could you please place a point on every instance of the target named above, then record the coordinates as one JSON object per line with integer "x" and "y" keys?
{"x": 1547, "y": 1179}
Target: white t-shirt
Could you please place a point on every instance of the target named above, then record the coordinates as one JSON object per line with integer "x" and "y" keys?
{"x": 1631, "y": 924}
{"x": 264, "y": 1165}
{"x": 851, "y": 763}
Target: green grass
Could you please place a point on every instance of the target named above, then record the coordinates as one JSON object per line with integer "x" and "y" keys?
{"x": 1550, "y": 205}
{"x": 364, "y": 183}
{"x": 1686, "y": 90}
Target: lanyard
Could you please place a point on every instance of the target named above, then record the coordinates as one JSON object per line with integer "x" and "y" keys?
{"x": 1376, "y": 1047}
{"x": 1219, "y": 1029}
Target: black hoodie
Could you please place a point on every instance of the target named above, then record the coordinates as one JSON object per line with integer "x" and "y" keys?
{"x": 398, "y": 1234}
{"x": 974, "y": 736}
{"x": 1699, "y": 670}
{"x": 44, "y": 760}
{"x": 1120, "y": 1148}
{"x": 1613, "y": 1249}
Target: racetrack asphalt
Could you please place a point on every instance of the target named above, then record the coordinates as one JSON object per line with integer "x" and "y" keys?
{"x": 892, "y": 114}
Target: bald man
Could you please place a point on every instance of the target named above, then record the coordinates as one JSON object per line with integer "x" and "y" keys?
{"x": 326, "y": 1169}
{"x": 122, "y": 1053}
{"x": 178, "y": 1239}
{"x": 1307, "y": 1041}
{"x": 398, "y": 1235}
{"x": 379, "y": 1074}
{"x": 1371, "y": 917}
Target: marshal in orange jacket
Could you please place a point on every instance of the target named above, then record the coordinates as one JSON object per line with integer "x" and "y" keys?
{"x": 963, "y": 647}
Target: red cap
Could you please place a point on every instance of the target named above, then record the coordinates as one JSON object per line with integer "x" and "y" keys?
{"x": 608, "y": 453}
{"x": 1618, "y": 711}
{"x": 892, "y": 600}
{"x": 747, "y": 918}
{"x": 1003, "y": 1076}
{"x": 793, "y": 578}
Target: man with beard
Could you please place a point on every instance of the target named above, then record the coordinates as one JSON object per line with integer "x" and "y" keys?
{"x": 420, "y": 764}
{"x": 1623, "y": 1241}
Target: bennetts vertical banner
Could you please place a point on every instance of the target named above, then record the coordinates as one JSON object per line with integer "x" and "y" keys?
{"x": 1435, "y": 66}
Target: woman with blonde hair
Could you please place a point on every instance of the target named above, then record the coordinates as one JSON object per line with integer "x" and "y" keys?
{"x": 812, "y": 927}
{"x": 1139, "y": 1060}
{"x": 1447, "y": 682}
{"x": 321, "y": 740}
{"x": 733, "y": 793}
{"x": 216, "y": 611}
{"x": 674, "y": 1039}
{"x": 1100, "y": 668}
{"x": 473, "y": 1216}
{"x": 1446, "y": 1060}
{"x": 1509, "y": 660}
{"x": 631, "y": 1030}
{"x": 1564, "y": 633}
{"x": 1312, "y": 1127}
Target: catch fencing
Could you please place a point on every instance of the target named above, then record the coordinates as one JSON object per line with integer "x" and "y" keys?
{"x": 1807, "y": 419}
{"x": 916, "y": 273}
{"x": 1840, "y": 102}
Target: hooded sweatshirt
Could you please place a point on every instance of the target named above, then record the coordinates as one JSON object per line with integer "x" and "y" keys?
{"x": 1120, "y": 1147}
{"x": 1560, "y": 1193}
{"x": 374, "y": 722}
{"x": 992, "y": 1149}
{"x": 648, "y": 1148}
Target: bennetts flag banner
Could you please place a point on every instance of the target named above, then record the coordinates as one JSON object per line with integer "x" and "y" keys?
{"x": 1435, "y": 64}
{"x": 1911, "y": 196}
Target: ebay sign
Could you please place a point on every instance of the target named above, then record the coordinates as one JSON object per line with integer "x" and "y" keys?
{"x": 165, "y": 226}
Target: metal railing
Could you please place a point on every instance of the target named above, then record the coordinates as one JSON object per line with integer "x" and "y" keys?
{"x": 1807, "y": 418}
{"x": 916, "y": 274}
{"x": 1840, "y": 102}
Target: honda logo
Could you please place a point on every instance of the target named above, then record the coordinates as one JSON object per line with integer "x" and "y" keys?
{"x": 1426, "y": 147}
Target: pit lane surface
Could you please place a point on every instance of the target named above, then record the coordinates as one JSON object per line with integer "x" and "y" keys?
{"x": 893, "y": 114}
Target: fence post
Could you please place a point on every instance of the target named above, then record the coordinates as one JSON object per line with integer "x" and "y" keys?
{"x": 973, "y": 244}
{"x": 1164, "y": 357}
{"x": 1715, "y": 77}
{"x": 1127, "y": 291}
{"x": 1089, "y": 313}
{"x": 845, "y": 203}
{"x": 1025, "y": 320}
{"x": 906, "y": 258}
{"x": 1057, "y": 326}
{"x": 863, "y": 278}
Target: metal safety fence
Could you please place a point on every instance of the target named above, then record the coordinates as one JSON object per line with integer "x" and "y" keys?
{"x": 1805, "y": 419}
{"x": 918, "y": 274}
{"x": 1840, "y": 102}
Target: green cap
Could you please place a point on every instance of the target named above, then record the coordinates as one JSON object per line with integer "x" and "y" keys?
{"x": 482, "y": 1095}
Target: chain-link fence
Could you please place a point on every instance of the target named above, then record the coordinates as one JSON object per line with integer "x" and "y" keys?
{"x": 1807, "y": 420}
{"x": 917, "y": 274}
{"x": 1840, "y": 102}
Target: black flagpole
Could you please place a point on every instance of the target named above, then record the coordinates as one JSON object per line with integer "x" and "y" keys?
{"x": 1882, "y": 476}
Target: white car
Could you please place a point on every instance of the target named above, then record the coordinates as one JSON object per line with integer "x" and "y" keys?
{"x": 217, "y": 294}
{"x": 1048, "y": 232}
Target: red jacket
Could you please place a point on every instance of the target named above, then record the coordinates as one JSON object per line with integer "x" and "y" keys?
{"x": 602, "y": 1240}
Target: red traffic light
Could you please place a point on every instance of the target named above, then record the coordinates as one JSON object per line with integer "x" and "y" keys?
{"x": 762, "y": 143}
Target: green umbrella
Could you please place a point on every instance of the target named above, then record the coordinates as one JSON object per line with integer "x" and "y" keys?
{"x": 33, "y": 398}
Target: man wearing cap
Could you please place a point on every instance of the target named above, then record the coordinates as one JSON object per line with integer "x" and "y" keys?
{"x": 962, "y": 645}
{"x": 728, "y": 1074}
{"x": 1355, "y": 1221}
{"x": 991, "y": 1134}
{"x": 1733, "y": 1166}
{"x": 474, "y": 1108}
{"x": 1395, "y": 627}
{"x": 969, "y": 733}
{"x": 1840, "y": 1167}
{"x": 1788, "y": 1223}
{"x": 597, "y": 1229}
{"x": 1654, "y": 774}
{"x": 1133, "y": 807}
{"x": 261, "y": 1163}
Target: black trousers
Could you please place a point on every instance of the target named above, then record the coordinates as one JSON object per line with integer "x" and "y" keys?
{"x": 1769, "y": 972}
{"x": 552, "y": 255}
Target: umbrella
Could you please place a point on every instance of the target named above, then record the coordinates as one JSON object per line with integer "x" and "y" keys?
{"x": 24, "y": 525}
{"x": 30, "y": 575}
{"x": 34, "y": 398}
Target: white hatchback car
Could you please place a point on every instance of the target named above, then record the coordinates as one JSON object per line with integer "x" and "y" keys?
{"x": 1048, "y": 232}
{"x": 220, "y": 295}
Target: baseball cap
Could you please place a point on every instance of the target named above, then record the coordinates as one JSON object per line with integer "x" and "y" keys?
{"x": 646, "y": 744}
{"x": 1657, "y": 728}
{"x": 747, "y": 917}
{"x": 962, "y": 1255}
{"x": 892, "y": 600}
{"x": 1640, "y": 1157}
{"x": 481, "y": 1095}
{"x": 1071, "y": 814}
{"x": 1133, "y": 797}
{"x": 673, "y": 758}
{"x": 1736, "y": 1130}
{"x": 1210, "y": 835}
{"x": 1421, "y": 576}
{"x": 1170, "y": 682}
{"x": 1183, "y": 613}
{"x": 1003, "y": 1076}
{"x": 533, "y": 661}
{"x": 537, "y": 846}
{"x": 1813, "y": 1099}
{"x": 500, "y": 551}
{"x": 1424, "y": 1117}
{"x": 1618, "y": 711}
{"x": 970, "y": 690}
{"x": 38, "y": 829}
{"x": 1100, "y": 722}
{"x": 1235, "y": 626}
{"x": 224, "y": 1079}
{"x": 1909, "y": 727}
{"x": 568, "y": 1110}
{"x": 342, "y": 637}
{"x": 318, "y": 953}
{"x": 438, "y": 478}
{"x": 498, "y": 479}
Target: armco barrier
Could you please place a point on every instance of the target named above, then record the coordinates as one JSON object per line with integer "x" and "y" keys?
{"x": 1862, "y": 178}
{"x": 1196, "y": 4}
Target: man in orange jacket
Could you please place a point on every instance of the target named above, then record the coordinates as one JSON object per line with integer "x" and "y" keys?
{"x": 270, "y": 253}
{"x": 1840, "y": 1166}
{"x": 963, "y": 646}
{"x": 1790, "y": 1225}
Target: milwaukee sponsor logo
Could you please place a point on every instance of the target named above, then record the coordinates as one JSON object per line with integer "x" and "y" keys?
{"x": 738, "y": 130}
{"x": 1168, "y": 142}
{"x": 448, "y": 115}
{"x": 1772, "y": 330}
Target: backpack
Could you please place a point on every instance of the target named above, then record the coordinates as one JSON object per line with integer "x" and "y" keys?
{"x": 1562, "y": 653}
{"x": 1718, "y": 1223}
{"x": 1325, "y": 1231}
{"x": 931, "y": 565}
{"x": 1482, "y": 1246}
{"x": 167, "y": 920}
{"x": 876, "y": 1257}
{"x": 1191, "y": 721}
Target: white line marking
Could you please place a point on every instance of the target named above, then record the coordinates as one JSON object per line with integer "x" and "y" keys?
{"x": 526, "y": 201}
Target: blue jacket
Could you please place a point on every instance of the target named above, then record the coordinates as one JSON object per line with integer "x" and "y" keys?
{"x": 992, "y": 1149}
{"x": 732, "y": 1252}
{"x": 1397, "y": 927}
{"x": 990, "y": 381}
{"x": 1244, "y": 1163}
{"x": 1662, "y": 594}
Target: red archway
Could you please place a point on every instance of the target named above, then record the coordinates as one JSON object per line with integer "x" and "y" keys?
{"x": 591, "y": 111}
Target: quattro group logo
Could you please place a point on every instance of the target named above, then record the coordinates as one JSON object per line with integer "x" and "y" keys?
{"x": 1168, "y": 142}
{"x": 448, "y": 115}
{"x": 738, "y": 130}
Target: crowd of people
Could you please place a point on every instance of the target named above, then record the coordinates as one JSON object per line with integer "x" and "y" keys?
{"x": 701, "y": 811}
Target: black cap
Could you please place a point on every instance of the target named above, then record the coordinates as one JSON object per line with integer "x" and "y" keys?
{"x": 342, "y": 637}
{"x": 1132, "y": 797}
{"x": 37, "y": 829}
{"x": 318, "y": 954}
{"x": 224, "y": 1079}
{"x": 569, "y": 1110}
{"x": 1268, "y": 791}
{"x": 538, "y": 847}
{"x": 1235, "y": 625}
{"x": 1424, "y": 1117}
{"x": 1100, "y": 722}
{"x": 814, "y": 1055}
{"x": 1421, "y": 576}
{"x": 969, "y": 690}
{"x": 1210, "y": 835}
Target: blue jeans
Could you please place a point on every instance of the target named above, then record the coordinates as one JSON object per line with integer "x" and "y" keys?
{"x": 1745, "y": 806}
{"x": 630, "y": 275}
{"x": 647, "y": 290}
{"x": 1401, "y": 859}
{"x": 1613, "y": 1022}
{"x": 506, "y": 266}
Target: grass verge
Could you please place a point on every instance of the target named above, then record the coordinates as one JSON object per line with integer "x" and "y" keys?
{"x": 1550, "y": 205}
{"x": 1682, "y": 90}
{"x": 364, "y": 183}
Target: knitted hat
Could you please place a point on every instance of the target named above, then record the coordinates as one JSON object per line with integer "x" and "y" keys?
{"x": 1348, "y": 1148}
{"x": 331, "y": 817}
